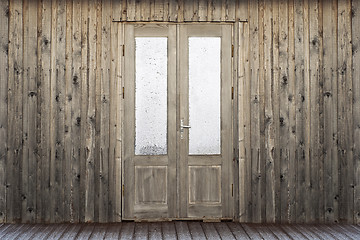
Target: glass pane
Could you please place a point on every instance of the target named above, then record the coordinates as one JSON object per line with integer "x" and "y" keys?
{"x": 151, "y": 96}
{"x": 204, "y": 95}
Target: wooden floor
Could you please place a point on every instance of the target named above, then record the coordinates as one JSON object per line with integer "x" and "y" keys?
{"x": 178, "y": 230}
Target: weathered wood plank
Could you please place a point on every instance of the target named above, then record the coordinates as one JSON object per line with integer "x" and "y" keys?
{"x": 72, "y": 231}
{"x": 15, "y": 114}
{"x": 141, "y": 231}
{"x": 182, "y": 230}
{"x": 131, "y": 10}
{"x": 155, "y": 231}
{"x": 356, "y": 105}
{"x": 84, "y": 105}
{"x": 330, "y": 112}
{"x": 237, "y": 230}
{"x": 76, "y": 120}
{"x": 300, "y": 99}
{"x": 242, "y": 9}
{"x": 168, "y": 230}
{"x": 345, "y": 121}
{"x": 196, "y": 231}
{"x": 291, "y": 202}
{"x": 314, "y": 103}
{"x": 203, "y": 9}
{"x": 269, "y": 124}
{"x": 99, "y": 232}
{"x": 224, "y": 231}
{"x": 127, "y": 230}
{"x": 105, "y": 114}
{"x": 173, "y": 10}
{"x": 276, "y": 108}
{"x": 284, "y": 109}
{"x": 91, "y": 117}
{"x": 254, "y": 205}
{"x": 188, "y": 10}
{"x": 45, "y": 78}
{"x": 113, "y": 231}
{"x": 68, "y": 143}
{"x": 4, "y": 74}
{"x": 306, "y": 112}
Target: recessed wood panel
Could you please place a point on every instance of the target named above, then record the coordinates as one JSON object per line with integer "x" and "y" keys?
{"x": 204, "y": 184}
{"x": 151, "y": 184}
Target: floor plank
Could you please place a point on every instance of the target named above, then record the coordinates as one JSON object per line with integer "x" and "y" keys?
{"x": 127, "y": 230}
{"x": 155, "y": 231}
{"x": 141, "y": 231}
{"x": 113, "y": 231}
{"x": 210, "y": 231}
{"x": 237, "y": 230}
{"x": 224, "y": 231}
{"x": 293, "y": 232}
{"x": 196, "y": 230}
{"x": 58, "y": 231}
{"x": 99, "y": 232}
{"x": 278, "y": 232}
{"x": 168, "y": 230}
{"x": 182, "y": 231}
{"x": 73, "y": 231}
{"x": 179, "y": 230}
{"x": 307, "y": 232}
{"x": 251, "y": 231}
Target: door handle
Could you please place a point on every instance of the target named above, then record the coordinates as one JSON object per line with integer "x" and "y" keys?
{"x": 182, "y": 126}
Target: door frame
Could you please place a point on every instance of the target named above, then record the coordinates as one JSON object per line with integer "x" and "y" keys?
{"x": 234, "y": 164}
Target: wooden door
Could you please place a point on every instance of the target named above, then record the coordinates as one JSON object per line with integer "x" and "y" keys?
{"x": 205, "y": 105}
{"x": 172, "y": 171}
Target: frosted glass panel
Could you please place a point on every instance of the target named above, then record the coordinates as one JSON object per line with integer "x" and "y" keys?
{"x": 204, "y": 95}
{"x": 151, "y": 96}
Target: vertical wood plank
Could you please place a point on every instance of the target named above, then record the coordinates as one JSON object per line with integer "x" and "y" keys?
{"x": 29, "y": 112}
{"x": 116, "y": 10}
{"x": 242, "y": 9}
{"x": 345, "y": 102}
{"x": 202, "y": 12}
{"x": 244, "y": 122}
{"x": 216, "y": 10}
{"x": 98, "y": 198}
{"x": 158, "y": 10}
{"x": 254, "y": 207}
{"x": 105, "y": 113}
{"x": 67, "y": 177}
{"x": 59, "y": 114}
{"x": 269, "y": 124}
{"x": 330, "y": 111}
{"x": 306, "y": 111}
{"x": 284, "y": 108}
{"x": 131, "y": 10}
{"x": 188, "y": 10}
{"x": 300, "y": 99}
{"x": 230, "y": 14}
{"x": 144, "y": 10}
{"x": 180, "y": 14}
{"x": 356, "y": 105}
{"x": 45, "y": 59}
{"x": 13, "y": 198}
{"x": 173, "y": 10}
{"x": 291, "y": 214}
{"x": 4, "y": 71}
{"x": 314, "y": 103}
{"x": 76, "y": 121}
{"x": 276, "y": 107}
{"x": 91, "y": 117}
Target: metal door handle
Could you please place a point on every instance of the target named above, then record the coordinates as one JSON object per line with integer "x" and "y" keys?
{"x": 182, "y": 126}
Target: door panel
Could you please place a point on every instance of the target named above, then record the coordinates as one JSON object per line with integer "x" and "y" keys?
{"x": 175, "y": 76}
{"x": 205, "y": 105}
{"x": 150, "y": 118}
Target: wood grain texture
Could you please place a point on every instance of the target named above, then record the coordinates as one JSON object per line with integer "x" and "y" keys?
{"x": 297, "y": 98}
{"x": 4, "y": 73}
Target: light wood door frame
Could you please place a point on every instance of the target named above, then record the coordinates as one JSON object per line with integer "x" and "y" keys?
{"x": 177, "y": 160}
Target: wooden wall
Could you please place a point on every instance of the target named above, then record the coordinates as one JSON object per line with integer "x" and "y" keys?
{"x": 298, "y": 106}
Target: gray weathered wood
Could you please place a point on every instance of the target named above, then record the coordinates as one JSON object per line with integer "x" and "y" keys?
{"x": 4, "y": 71}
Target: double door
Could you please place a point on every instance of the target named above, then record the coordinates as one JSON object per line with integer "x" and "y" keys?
{"x": 177, "y": 128}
